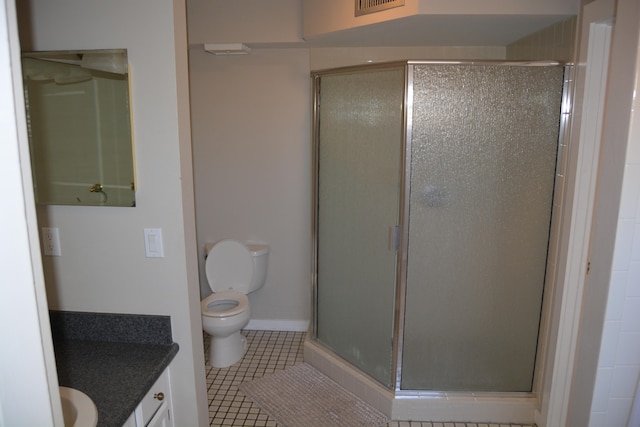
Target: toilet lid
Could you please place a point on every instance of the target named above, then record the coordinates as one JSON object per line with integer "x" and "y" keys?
{"x": 229, "y": 267}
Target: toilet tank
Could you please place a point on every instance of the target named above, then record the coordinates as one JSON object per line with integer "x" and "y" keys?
{"x": 260, "y": 254}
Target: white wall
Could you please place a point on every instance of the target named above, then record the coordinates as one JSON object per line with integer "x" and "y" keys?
{"x": 103, "y": 267}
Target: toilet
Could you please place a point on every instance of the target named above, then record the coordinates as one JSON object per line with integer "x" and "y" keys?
{"x": 233, "y": 270}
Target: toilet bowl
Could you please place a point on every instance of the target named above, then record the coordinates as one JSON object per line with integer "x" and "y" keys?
{"x": 233, "y": 270}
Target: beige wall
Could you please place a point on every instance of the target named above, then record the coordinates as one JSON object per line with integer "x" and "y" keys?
{"x": 223, "y": 21}
{"x": 103, "y": 267}
{"x": 251, "y": 133}
{"x": 251, "y": 144}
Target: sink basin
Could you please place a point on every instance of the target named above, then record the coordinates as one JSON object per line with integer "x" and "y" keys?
{"x": 78, "y": 409}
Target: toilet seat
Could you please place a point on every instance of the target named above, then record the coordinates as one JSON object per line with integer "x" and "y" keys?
{"x": 224, "y": 304}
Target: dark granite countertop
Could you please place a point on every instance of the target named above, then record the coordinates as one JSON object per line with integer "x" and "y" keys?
{"x": 115, "y": 362}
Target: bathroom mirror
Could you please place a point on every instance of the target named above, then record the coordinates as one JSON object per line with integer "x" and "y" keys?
{"x": 79, "y": 126}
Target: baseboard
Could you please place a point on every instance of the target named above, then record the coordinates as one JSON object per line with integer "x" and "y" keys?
{"x": 278, "y": 325}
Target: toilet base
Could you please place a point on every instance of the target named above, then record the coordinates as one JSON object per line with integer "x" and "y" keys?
{"x": 225, "y": 351}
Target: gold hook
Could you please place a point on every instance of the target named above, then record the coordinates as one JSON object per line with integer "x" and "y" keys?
{"x": 96, "y": 188}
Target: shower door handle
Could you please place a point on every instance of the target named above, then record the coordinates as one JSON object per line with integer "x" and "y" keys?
{"x": 394, "y": 238}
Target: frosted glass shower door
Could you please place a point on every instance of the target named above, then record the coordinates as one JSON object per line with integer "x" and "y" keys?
{"x": 484, "y": 145}
{"x": 358, "y": 156}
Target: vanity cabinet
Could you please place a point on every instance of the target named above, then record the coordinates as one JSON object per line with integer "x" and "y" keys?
{"x": 155, "y": 408}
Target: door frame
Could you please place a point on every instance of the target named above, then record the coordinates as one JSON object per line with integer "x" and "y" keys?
{"x": 582, "y": 180}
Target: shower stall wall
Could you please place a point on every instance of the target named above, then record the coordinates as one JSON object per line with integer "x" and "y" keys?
{"x": 433, "y": 192}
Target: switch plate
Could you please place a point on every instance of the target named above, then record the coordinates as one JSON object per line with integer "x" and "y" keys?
{"x": 153, "y": 242}
{"x": 51, "y": 241}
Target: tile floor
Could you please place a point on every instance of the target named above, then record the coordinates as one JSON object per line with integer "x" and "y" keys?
{"x": 270, "y": 351}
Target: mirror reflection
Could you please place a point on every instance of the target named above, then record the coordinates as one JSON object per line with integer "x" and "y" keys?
{"x": 79, "y": 125}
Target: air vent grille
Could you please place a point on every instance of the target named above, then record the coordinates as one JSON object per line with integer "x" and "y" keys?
{"x": 370, "y": 6}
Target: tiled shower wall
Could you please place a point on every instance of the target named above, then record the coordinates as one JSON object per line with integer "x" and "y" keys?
{"x": 555, "y": 43}
{"x": 619, "y": 361}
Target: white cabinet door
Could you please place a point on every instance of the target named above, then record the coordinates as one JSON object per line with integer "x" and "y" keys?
{"x": 162, "y": 418}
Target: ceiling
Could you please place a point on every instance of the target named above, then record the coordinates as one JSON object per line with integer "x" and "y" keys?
{"x": 440, "y": 30}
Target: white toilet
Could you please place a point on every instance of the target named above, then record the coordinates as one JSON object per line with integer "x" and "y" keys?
{"x": 233, "y": 270}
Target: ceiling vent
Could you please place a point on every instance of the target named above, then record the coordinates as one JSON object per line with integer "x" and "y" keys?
{"x": 227, "y": 48}
{"x": 370, "y": 6}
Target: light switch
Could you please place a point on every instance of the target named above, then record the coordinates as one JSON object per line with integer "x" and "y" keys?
{"x": 153, "y": 242}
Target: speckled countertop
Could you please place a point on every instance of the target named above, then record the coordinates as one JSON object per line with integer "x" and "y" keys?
{"x": 113, "y": 358}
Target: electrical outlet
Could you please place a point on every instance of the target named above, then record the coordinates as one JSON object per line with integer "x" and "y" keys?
{"x": 51, "y": 241}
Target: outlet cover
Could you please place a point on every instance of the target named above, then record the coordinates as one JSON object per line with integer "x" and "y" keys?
{"x": 51, "y": 241}
{"x": 153, "y": 242}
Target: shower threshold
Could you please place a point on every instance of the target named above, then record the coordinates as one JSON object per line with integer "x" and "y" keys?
{"x": 500, "y": 408}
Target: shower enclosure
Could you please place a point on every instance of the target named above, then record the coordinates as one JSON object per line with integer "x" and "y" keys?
{"x": 433, "y": 195}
